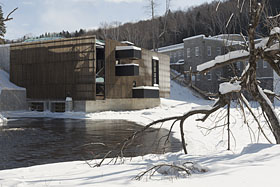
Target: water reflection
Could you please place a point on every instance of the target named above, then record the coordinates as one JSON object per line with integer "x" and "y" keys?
{"x": 28, "y": 142}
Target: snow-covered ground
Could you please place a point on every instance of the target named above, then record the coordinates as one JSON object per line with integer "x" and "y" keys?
{"x": 251, "y": 161}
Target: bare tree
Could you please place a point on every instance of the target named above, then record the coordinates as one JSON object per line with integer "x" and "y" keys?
{"x": 156, "y": 35}
{"x": 151, "y": 7}
{"x": 268, "y": 49}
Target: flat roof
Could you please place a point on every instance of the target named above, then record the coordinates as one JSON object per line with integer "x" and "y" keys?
{"x": 171, "y": 48}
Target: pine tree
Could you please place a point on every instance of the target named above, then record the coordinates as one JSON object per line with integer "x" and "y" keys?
{"x": 2, "y": 24}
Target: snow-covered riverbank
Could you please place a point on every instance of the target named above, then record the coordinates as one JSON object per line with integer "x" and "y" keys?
{"x": 246, "y": 164}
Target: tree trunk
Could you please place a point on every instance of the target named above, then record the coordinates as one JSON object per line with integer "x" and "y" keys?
{"x": 252, "y": 83}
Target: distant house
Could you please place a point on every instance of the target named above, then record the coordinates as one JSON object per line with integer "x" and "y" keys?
{"x": 176, "y": 54}
{"x": 200, "y": 49}
{"x": 94, "y": 75}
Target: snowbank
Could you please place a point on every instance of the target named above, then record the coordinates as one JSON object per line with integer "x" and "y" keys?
{"x": 246, "y": 164}
{"x": 257, "y": 166}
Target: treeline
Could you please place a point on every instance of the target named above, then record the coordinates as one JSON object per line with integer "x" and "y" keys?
{"x": 209, "y": 19}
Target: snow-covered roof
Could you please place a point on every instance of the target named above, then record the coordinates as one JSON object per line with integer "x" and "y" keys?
{"x": 100, "y": 42}
{"x": 155, "y": 58}
{"x": 119, "y": 48}
{"x": 194, "y": 37}
{"x": 227, "y": 39}
{"x": 171, "y": 48}
{"x": 146, "y": 88}
{"x": 179, "y": 62}
{"x": 127, "y": 64}
{"x": 127, "y": 42}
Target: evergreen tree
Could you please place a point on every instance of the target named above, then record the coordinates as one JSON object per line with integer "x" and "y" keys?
{"x": 2, "y": 24}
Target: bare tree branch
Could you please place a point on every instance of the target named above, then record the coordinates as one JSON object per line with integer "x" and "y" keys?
{"x": 8, "y": 17}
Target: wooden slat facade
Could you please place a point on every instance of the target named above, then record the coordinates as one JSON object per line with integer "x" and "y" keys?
{"x": 121, "y": 86}
{"x": 51, "y": 70}
{"x": 54, "y": 69}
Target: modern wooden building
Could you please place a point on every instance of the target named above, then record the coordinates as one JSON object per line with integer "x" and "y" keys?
{"x": 97, "y": 75}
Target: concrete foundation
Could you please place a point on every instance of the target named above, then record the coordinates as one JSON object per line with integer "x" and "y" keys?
{"x": 116, "y": 104}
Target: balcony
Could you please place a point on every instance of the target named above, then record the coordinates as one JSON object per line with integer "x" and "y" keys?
{"x": 145, "y": 92}
{"x": 128, "y": 52}
{"x": 127, "y": 69}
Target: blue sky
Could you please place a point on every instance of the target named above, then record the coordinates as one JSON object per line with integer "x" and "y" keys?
{"x": 35, "y": 17}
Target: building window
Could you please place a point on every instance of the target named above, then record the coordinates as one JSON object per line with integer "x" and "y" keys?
{"x": 219, "y": 51}
{"x": 183, "y": 53}
{"x": 197, "y": 77}
{"x": 188, "y": 52}
{"x": 179, "y": 54}
{"x": 155, "y": 72}
{"x": 257, "y": 64}
{"x": 196, "y": 51}
{"x": 238, "y": 65}
{"x": 264, "y": 64}
{"x": 209, "y": 50}
{"x": 209, "y": 76}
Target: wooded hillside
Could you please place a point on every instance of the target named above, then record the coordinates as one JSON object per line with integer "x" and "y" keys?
{"x": 203, "y": 19}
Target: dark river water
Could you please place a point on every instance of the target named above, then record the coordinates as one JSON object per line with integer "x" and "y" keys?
{"x": 28, "y": 142}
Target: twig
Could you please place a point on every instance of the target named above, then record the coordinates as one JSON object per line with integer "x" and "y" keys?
{"x": 229, "y": 19}
{"x": 243, "y": 99}
{"x": 157, "y": 167}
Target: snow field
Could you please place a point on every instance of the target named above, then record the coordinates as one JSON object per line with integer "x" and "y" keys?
{"x": 251, "y": 161}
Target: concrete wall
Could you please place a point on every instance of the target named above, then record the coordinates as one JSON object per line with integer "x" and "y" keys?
{"x": 11, "y": 100}
{"x": 116, "y": 104}
{"x": 5, "y": 57}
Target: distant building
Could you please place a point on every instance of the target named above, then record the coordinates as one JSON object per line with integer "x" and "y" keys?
{"x": 177, "y": 54}
{"x": 200, "y": 49}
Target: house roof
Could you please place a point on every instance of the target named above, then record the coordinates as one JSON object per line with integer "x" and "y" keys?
{"x": 171, "y": 48}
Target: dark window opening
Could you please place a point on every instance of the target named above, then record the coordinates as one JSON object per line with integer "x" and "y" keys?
{"x": 37, "y": 106}
{"x": 58, "y": 107}
{"x": 155, "y": 72}
{"x": 100, "y": 74}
